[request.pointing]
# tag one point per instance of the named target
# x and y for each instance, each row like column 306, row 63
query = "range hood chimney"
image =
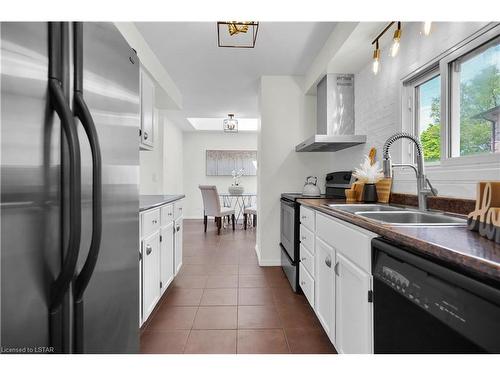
column 335, row 116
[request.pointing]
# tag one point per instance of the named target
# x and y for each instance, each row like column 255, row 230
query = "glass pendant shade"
column 230, row 124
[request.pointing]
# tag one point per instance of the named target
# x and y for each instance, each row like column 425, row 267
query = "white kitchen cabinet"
column 325, row 287
column 353, row 309
column 151, row 273
column 178, row 245
column 147, row 111
column 166, row 255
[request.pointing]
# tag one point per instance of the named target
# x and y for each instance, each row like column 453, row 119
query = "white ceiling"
column 216, row 81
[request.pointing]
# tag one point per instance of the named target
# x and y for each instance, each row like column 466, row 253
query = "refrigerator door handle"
column 82, row 112
column 60, row 104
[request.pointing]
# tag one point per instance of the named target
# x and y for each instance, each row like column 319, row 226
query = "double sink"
column 399, row 216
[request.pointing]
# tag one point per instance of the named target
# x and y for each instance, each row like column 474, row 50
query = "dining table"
column 238, row 201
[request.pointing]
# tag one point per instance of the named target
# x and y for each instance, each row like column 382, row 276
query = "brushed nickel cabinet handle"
column 336, row 269
column 145, row 135
column 149, row 249
column 328, row 261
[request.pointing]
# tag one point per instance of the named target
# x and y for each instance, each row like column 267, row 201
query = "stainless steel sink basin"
column 413, row 218
column 353, row 208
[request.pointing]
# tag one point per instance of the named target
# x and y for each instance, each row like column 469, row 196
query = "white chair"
column 211, row 207
column 252, row 210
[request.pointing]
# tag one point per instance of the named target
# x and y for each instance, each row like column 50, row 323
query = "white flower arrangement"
column 368, row 173
column 237, row 175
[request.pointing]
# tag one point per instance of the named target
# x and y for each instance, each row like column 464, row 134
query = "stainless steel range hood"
column 335, row 116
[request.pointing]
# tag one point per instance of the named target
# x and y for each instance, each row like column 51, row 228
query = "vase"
column 236, row 189
column 370, row 193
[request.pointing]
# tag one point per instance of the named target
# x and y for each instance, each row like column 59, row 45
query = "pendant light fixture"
column 230, row 124
column 376, row 58
column 395, row 41
column 427, row 28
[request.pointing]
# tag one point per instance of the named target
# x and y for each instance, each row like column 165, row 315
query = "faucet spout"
column 422, row 180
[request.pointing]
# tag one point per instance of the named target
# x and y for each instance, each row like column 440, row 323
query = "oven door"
column 288, row 228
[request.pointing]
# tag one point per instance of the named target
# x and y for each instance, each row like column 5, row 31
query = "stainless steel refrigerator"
column 69, row 189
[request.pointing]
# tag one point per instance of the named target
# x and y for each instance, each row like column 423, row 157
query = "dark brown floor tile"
column 286, row 296
column 197, row 259
column 297, row 316
column 163, row 342
column 251, row 259
column 223, row 270
column 252, row 281
column 230, row 281
column 277, row 281
column 258, row 317
column 264, row 341
column 194, row 270
column 219, row 297
column 226, row 259
column 172, row 317
column 255, row 296
column 211, row 342
column 216, row 317
column 183, row 297
column 250, row 269
column 309, row 341
column 273, row 271
column 190, row 281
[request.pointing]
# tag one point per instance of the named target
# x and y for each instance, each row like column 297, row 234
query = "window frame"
column 442, row 66
column 447, row 115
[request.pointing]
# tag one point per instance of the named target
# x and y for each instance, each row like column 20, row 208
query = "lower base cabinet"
column 160, row 255
column 325, row 287
column 178, row 245
column 151, row 273
column 353, row 308
column 167, row 256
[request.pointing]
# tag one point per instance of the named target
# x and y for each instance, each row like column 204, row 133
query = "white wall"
column 195, row 145
column 287, row 118
column 161, row 169
column 378, row 107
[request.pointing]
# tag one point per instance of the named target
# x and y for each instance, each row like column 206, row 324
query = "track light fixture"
column 376, row 58
column 394, row 48
column 427, row 28
column 395, row 41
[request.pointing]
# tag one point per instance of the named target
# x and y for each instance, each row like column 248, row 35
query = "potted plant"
column 369, row 173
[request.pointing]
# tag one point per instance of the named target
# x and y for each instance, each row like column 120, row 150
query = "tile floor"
column 223, row 302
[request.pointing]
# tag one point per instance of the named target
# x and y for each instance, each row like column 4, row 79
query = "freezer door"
column 111, row 91
column 30, row 188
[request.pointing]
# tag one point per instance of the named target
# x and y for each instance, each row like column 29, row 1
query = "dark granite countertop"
column 456, row 246
column 147, row 202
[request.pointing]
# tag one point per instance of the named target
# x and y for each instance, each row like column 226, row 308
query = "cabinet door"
column 166, row 256
column 178, row 245
column 325, row 287
column 353, row 314
column 147, row 110
column 151, row 273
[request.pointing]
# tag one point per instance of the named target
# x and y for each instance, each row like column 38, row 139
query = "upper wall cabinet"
column 147, row 111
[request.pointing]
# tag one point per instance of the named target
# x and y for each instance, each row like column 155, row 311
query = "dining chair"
column 252, row 210
column 212, row 207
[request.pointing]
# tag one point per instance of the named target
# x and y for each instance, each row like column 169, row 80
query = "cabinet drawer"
column 307, row 218
column 352, row 241
column 150, row 222
column 167, row 214
column 178, row 206
column 307, row 239
column 307, row 259
column 306, row 284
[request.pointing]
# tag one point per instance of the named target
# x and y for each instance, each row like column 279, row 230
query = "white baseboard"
column 266, row 262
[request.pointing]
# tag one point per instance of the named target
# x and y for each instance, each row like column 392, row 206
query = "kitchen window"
column 453, row 103
column 475, row 101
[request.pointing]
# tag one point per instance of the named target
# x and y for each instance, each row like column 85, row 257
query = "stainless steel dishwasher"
column 423, row 307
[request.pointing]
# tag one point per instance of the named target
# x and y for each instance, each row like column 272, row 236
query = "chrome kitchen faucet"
column 422, row 180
